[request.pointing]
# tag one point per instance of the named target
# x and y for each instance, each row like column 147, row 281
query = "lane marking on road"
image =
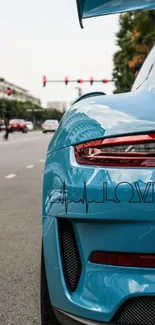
column 20, row 140
column 10, row 176
column 29, row 166
column 42, row 160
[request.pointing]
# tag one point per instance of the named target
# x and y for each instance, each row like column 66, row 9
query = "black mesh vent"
column 139, row 311
column 70, row 255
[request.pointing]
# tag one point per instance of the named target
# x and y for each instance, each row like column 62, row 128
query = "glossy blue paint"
column 99, row 116
column 101, row 289
column 61, row 167
column 107, row 225
column 106, row 116
column 112, row 209
column 93, row 8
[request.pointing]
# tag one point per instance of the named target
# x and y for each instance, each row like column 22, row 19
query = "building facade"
column 17, row 92
column 59, row 105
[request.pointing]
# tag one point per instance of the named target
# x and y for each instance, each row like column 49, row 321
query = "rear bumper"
column 17, row 129
column 101, row 289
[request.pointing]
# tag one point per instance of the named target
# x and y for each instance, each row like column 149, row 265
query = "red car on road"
column 18, row 125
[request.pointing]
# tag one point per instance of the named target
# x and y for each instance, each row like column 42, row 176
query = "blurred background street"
column 47, row 61
column 21, row 172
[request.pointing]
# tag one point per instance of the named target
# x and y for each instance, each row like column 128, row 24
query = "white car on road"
column 29, row 125
column 50, row 126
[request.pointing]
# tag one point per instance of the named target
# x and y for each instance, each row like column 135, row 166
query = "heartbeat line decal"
column 130, row 193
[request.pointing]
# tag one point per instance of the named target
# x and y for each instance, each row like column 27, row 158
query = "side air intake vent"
column 136, row 311
column 69, row 253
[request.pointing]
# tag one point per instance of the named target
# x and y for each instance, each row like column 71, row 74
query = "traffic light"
column 66, row 80
column 9, row 91
column 80, row 81
column 91, row 80
column 105, row 81
column 44, row 81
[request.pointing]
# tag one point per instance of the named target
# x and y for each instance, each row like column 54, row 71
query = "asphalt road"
column 21, row 170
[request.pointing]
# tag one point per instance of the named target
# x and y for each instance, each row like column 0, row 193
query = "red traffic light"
column 105, row 81
column 9, row 91
column 66, row 80
column 91, row 80
column 44, row 81
column 80, row 81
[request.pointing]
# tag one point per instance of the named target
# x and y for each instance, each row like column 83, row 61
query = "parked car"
column 50, row 126
column 98, row 252
column 29, row 125
column 18, row 125
column 2, row 125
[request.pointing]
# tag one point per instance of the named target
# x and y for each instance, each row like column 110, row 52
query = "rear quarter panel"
column 106, row 116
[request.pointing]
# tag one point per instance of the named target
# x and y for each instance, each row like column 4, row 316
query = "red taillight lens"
column 125, row 151
column 123, row 259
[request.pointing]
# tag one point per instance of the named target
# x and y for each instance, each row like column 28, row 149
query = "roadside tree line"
column 135, row 38
column 28, row 111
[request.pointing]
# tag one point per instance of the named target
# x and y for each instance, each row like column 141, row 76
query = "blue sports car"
column 98, row 252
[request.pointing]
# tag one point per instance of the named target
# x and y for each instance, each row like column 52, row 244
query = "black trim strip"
column 79, row 13
column 69, row 319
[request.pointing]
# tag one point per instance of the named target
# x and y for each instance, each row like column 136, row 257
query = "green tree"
column 135, row 39
column 28, row 111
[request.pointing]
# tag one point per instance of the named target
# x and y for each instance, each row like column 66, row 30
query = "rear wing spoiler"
column 94, row 8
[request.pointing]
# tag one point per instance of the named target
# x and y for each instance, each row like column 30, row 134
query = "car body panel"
column 110, row 115
column 61, row 166
column 93, row 8
column 111, row 209
column 101, row 289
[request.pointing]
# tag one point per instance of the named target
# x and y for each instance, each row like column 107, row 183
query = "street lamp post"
column 79, row 91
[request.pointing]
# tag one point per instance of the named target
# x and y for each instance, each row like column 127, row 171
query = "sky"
column 44, row 38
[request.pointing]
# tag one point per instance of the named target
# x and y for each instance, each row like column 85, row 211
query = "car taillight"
column 122, row 151
column 123, row 259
